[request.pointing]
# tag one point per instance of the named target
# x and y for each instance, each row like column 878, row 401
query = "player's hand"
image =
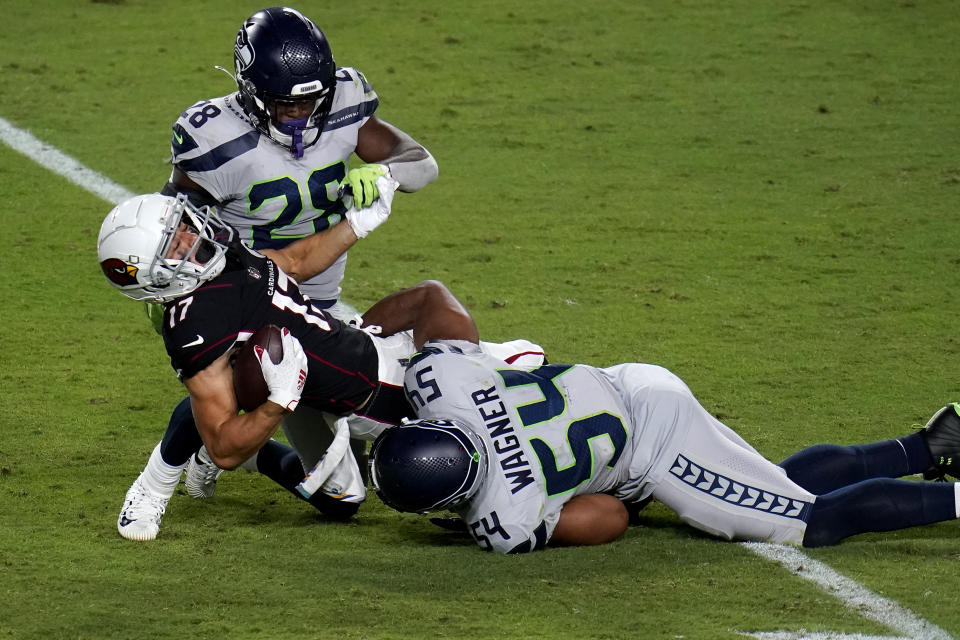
column 286, row 378
column 363, row 182
column 365, row 220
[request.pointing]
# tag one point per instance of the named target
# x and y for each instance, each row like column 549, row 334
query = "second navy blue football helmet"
column 427, row 465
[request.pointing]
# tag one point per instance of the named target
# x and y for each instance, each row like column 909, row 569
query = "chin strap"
column 294, row 129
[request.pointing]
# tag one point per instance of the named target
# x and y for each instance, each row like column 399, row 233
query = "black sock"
column 281, row 464
column 181, row 439
column 880, row 504
column 825, row 467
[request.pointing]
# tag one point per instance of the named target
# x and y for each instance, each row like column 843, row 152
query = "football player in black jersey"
column 270, row 156
column 216, row 293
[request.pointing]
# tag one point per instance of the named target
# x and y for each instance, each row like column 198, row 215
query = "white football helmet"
column 137, row 234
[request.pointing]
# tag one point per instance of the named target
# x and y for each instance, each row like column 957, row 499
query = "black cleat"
column 942, row 435
column 454, row 524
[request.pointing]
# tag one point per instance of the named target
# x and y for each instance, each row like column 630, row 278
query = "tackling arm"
column 429, row 308
column 230, row 438
column 409, row 161
column 180, row 182
column 309, row 256
column 592, row 518
column 301, row 260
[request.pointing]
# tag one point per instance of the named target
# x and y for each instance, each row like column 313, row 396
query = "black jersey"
column 252, row 292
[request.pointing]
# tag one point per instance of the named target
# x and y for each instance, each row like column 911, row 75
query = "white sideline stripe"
column 60, row 163
column 817, row 635
column 857, row 597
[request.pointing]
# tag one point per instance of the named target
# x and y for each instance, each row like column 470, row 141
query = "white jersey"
column 269, row 196
column 551, row 433
column 632, row 430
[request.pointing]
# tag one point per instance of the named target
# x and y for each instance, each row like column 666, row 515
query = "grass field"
column 759, row 196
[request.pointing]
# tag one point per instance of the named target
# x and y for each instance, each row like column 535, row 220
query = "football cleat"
column 142, row 510
column 942, row 435
column 455, row 524
column 202, row 474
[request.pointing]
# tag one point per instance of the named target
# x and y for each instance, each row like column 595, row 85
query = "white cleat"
column 142, row 510
column 202, row 474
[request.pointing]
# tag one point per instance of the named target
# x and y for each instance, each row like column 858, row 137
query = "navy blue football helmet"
column 427, row 465
column 282, row 57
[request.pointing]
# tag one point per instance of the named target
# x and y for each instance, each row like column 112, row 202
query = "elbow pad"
column 416, row 174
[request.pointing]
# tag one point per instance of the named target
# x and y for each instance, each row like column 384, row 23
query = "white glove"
column 363, row 221
column 285, row 379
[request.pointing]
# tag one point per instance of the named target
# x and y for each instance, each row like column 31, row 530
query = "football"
column 248, row 383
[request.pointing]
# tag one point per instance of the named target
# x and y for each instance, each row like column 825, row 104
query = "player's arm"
column 180, row 182
column 230, row 438
column 391, row 152
column 592, row 518
column 429, row 308
column 408, row 161
column 309, row 256
column 305, row 258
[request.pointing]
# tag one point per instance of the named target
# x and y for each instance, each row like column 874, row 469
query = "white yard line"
column 857, row 597
column 816, row 635
column 63, row 165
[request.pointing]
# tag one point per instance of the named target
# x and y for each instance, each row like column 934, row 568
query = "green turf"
column 759, row 196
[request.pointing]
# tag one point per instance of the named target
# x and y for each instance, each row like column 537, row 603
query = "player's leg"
column 934, row 451
column 879, row 504
column 309, row 433
column 282, row 465
column 824, row 467
column 692, row 463
column 146, row 500
column 726, row 490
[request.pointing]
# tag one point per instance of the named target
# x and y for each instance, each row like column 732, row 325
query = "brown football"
column 248, row 383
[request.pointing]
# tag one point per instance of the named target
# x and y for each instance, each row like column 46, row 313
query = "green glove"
column 363, row 182
column 155, row 313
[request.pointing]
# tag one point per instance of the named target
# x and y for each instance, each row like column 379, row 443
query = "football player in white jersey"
column 272, row 158
column 273, row 155
column 550, row 455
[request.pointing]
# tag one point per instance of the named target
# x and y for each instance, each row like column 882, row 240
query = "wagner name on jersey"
column 548, row 433
column 265, row 193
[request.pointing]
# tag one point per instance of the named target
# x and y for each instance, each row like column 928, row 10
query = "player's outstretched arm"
column 230, row 438
column 408, row 161
column 180, row 182
column 593, row 518
column 305, row 258
column 429, row 308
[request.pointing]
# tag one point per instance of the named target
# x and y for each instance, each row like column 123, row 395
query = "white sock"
column 159, row 477
column 956, row 497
